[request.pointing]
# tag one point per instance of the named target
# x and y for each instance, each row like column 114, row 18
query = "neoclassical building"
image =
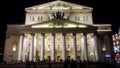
column 58, row 30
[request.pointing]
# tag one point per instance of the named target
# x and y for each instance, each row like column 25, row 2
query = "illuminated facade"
column 58, row 30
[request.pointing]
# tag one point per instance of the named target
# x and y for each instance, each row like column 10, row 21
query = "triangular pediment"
column 58, row 5
column 58, row 23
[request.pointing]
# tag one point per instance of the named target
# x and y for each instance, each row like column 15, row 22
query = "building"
column 116, row 46
column 58, row 30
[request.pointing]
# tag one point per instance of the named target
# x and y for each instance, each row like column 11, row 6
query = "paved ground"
column 60, row 65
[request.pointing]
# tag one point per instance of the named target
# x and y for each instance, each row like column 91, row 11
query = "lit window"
column 14, row 47
column 68, row 47
column 49, row 48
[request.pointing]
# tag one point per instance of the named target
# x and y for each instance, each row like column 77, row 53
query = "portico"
column 57, row 42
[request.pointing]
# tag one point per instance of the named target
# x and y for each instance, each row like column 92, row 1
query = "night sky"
column 104, row 11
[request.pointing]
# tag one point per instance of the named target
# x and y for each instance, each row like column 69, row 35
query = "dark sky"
column 104, row 11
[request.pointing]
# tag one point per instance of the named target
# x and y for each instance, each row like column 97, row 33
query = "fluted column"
column 74, row 46
column 53, row 48
column 96, row 47
column 85, row 48
column 42, row 47
column 64, row 47
column 20, row 47
column 31, row 54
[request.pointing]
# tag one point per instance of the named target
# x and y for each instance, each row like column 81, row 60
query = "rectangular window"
column 40, row 18
column 85, row 18
column 31, row 18
column 77, row 18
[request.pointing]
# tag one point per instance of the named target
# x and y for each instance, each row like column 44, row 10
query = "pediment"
column 58, row 5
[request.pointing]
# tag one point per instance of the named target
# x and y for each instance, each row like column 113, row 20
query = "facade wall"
column 85, row 18
column 32, row 18
column 11, row 48
column 79, row 16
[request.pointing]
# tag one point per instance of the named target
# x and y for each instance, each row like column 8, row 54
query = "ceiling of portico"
column 58, row 5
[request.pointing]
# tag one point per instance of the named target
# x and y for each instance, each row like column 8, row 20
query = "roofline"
column 57, row 1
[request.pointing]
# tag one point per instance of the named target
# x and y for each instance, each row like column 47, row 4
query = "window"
column 31, row 18
column 68, row 47
column 49, row 48
column 77, row 18
column 14, row 47
column 40, row 18
column 85, row 18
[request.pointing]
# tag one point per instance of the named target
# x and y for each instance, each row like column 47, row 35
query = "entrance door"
column 58, row 58
column 48, row 58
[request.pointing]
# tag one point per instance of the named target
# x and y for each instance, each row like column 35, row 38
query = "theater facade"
column 58, row 31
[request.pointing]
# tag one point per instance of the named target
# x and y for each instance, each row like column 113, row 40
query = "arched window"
column 14, row 46
column 49, row 48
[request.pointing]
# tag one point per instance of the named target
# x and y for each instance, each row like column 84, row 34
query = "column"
column 96, row 47
column 64, row 47
column 53, row 48
column 34, row 54
column 24, row 50
column 85, row 48
column 74, row 46
column 42, row 47
column 31, row 53
column 20, row 47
